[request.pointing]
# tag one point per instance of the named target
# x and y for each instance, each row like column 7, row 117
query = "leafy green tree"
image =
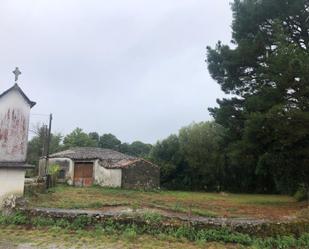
column 201, row 145
column 37, row 145
column 139, row 149
column 192, row 159
column 109, row 141
column 78, row 138
column 124, row 148
column 96, row 137
column 168, row 156
column 267, row 72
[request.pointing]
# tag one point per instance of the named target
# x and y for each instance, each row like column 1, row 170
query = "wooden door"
column 83, row 174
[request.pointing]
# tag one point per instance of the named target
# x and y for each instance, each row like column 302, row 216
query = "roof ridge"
column 16, row 87
column 90, row 153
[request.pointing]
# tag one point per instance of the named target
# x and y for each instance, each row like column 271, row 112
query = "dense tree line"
column 192, row 159
column 79, row 138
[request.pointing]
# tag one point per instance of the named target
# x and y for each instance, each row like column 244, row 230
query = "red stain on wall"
column 13, row 134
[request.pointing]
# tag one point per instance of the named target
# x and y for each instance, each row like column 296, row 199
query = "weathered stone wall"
column 11, row 182
column 141, row 175
column 260, row 228
column 106, row 177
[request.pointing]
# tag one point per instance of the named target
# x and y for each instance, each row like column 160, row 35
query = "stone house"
column 14, row 123
column 85, row 166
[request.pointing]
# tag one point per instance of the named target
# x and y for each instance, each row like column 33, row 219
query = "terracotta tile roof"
column 125, row 163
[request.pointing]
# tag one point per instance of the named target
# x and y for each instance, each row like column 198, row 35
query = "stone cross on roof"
column 17, row 73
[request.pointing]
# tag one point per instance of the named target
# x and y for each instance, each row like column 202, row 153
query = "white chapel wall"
column 14, row 124
column 12, row 183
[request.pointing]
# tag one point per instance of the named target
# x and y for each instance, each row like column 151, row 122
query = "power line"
column 39, row 114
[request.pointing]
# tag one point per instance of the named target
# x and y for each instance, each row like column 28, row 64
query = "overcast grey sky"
column 134, row 68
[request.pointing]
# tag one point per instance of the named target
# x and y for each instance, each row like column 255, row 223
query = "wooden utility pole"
column 48, row 143
column 44, row 139
column 49, row 135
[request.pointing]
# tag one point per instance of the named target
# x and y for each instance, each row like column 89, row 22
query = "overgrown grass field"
column 272, row 207
column 20, row 237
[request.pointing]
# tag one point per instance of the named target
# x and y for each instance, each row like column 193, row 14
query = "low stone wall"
column 33, row 186
column 262, row 228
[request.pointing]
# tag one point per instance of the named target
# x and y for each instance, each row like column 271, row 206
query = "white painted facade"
column 11, row 183
column 14, row 124
column 106, row 177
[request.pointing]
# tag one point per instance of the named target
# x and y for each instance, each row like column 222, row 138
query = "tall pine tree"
column 267, row 71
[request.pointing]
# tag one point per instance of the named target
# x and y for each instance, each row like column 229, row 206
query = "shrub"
column 130, row 233
column 223, row 235
column 81, row 222
column 54, row 169
column 18, row 219
column 152, row 217
column 62, row 223
column 283, row 242
column 3, row 220
column 42, row 222
column 109, row 226
column 301, row 194
column 304, row 239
